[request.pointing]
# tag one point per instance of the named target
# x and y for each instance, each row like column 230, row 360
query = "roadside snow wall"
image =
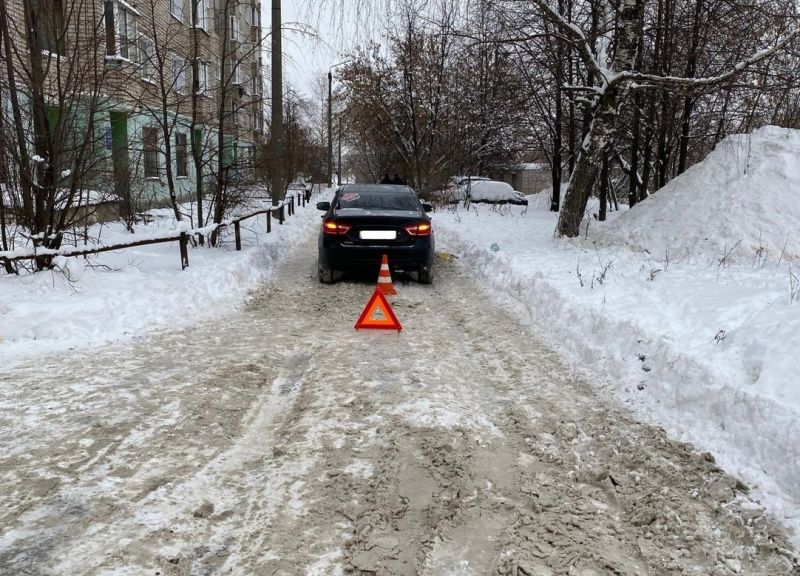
column 743, row 197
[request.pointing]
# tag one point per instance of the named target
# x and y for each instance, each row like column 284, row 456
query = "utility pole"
column 330, row 128
column 339, row 163
column 330, row 122
column 277, row 106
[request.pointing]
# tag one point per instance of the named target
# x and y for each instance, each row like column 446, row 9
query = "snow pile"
column 541, row 200
column 125, row 294
column 707, row 352
column 744, row 198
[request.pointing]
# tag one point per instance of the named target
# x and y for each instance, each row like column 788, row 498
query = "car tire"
column 425, row 276
column 325, row 274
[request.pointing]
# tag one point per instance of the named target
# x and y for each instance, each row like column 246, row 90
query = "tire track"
column 282, row 441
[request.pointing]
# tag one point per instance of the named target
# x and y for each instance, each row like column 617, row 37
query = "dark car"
column 365, row 221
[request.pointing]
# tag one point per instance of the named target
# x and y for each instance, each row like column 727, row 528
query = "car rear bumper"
column 338, row 256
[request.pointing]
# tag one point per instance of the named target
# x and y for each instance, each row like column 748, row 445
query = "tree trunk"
column 195, row 141
column 570, row 78
column 555, row 197
column 688, row 100
column 603, row 190
column 647, row 158
column 633, row 178
column 604, row 122
column 665, row 124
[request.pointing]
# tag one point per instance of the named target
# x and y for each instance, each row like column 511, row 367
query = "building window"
column 201, row 85
column 151, row 152
column 176, row 9
column 120, row 29
column 200, row 14
column 178, row 74
column 49, row 24
column 219, row 70
column 147, row 55
column 254, row 15
column 255, row 85
column 235, row 30
column 181, row 164
column 111, row 29
column 236, row 75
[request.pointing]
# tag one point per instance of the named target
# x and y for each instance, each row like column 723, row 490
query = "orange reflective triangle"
column 378, row 314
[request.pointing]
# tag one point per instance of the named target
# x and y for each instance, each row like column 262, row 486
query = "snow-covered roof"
column 538, row 166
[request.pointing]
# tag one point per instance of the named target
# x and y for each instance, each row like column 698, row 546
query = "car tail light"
column 335, row 228
column 419, row 229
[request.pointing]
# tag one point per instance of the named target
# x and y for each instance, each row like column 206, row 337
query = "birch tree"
column 615, row 74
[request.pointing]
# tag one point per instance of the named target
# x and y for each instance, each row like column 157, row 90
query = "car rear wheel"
column 425, row 276
column 325, row 274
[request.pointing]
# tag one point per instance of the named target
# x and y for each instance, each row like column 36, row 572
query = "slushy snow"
column 647, row 303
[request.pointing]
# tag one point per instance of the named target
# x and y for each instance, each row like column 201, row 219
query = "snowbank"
column 708, row 352
column 125, row 294
column 744, row 198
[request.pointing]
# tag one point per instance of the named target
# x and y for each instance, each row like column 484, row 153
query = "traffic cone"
column 385, row 277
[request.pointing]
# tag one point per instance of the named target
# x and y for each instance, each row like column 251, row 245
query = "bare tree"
column 52, row 56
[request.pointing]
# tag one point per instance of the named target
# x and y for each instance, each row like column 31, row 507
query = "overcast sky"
column 311, row 41
column 318, row 33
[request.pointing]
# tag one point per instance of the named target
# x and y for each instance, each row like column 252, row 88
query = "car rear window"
column 379, row 200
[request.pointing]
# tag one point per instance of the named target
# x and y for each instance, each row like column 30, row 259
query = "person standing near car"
column 386, row 179
column 398, row 180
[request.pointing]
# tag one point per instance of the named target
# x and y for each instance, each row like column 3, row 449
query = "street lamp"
column 330, row 121
column 276, row 127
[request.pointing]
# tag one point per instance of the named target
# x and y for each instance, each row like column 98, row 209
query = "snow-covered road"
column 282, row 441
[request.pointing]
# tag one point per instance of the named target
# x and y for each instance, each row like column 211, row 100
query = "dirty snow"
column 125, row 294
column 201, row 438
column 703, row 345
column 270, row 442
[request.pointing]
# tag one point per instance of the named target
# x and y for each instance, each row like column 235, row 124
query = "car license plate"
column 378, row 235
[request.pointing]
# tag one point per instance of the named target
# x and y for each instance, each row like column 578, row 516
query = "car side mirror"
column 323, row 206
column 427, row 207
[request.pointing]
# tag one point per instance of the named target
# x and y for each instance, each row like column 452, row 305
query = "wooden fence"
column 279, row 212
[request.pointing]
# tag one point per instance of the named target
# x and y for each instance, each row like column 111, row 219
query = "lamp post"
column 339, row 163
column 330, row 121
column 277, row 106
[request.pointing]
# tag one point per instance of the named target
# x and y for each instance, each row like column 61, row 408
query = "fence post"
column 238, row 235
column 281, row 214
column 269, row 221
column 291, row 206
column 184, row 243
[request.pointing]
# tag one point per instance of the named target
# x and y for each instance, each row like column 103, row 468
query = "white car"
column 462, row 180
column 489, row 191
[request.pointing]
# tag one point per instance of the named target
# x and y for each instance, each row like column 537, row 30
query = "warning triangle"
column 378, row 314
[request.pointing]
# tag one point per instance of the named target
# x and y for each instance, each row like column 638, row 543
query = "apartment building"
column 159, row 93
